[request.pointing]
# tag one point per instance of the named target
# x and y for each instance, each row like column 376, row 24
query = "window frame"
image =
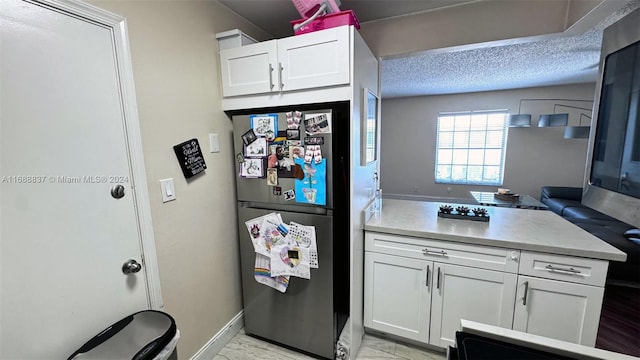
column 457, row 131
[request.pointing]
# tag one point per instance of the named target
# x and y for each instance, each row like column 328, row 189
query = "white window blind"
column 470, row 147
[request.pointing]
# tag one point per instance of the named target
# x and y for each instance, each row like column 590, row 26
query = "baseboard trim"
column 219, row 340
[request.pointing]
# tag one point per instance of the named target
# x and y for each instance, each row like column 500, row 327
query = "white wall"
column 534, row 157
column 176, row 74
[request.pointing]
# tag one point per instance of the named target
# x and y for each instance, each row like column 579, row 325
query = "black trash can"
column 145, row 335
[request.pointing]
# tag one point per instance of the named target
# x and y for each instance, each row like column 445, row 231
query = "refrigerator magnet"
column 290, row 195
column 308, row 153
column 289, row 117
column 298, row 173
column 315, row 140
column 293, row 119
column 272, row 177
column 277, row 191
column 317, row 155
column 265, row 125
column 317, row 123
column 257, row 148
column 296, row 152
column 249, row 137
column 239, row 158
column 293, row 134
column 297, row 116
column 252, row 168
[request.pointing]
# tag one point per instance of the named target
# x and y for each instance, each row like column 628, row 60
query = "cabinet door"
column 397, row 295
column 558, row 309
column 461, row 292
column 313, row 60
column 249, row 69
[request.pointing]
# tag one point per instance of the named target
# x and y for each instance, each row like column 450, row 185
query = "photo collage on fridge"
column 269, row 154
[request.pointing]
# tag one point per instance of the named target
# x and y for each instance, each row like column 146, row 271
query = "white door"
column 558, row 309
column 64, row 238
column 251, row 69
column 461, row 292
column 315, row 59
column 397, row 295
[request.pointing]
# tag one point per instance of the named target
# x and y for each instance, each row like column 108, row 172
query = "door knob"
column 117, row 191
column 131, row 267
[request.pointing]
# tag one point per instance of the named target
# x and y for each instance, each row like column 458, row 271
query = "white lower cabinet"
column 397, row 295
column 425, row 300
column 558, row 309
column 420, row 289
column 461, row 292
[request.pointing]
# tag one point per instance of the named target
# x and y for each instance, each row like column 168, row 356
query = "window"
column 470, row 147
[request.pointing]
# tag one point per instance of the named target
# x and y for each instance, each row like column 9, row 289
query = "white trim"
column 455, row 200
column 118, row 26
column 219, row 340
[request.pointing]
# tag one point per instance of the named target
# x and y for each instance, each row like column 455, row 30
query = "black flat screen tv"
column 612, row 176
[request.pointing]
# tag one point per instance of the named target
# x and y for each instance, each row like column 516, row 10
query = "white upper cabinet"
column 249, row 69
column 300, row 62
column 314, row 60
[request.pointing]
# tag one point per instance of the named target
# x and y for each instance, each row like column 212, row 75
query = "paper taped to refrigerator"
column 290, row 260
column 282, row 250
column 304, row 236
column 262, row 274
column 312, row 189
column 265, row 232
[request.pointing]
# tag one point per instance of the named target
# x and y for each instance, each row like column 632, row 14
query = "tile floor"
column 244, row 347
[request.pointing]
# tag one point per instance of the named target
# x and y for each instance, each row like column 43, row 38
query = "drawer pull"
column 427, row 283
column 526, row 291
column 569, row 270
column 426, row 251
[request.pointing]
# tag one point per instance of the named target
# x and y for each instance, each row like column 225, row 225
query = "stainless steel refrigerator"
column 310, row 315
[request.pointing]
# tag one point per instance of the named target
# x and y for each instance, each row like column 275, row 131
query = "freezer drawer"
column 304, row 316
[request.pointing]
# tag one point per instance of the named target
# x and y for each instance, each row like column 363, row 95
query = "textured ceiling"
column 542, row 62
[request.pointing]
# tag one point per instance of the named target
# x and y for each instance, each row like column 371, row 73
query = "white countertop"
column 534, row 230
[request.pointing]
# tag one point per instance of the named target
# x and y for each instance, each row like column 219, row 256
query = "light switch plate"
column 168, row 190
column 214, row 143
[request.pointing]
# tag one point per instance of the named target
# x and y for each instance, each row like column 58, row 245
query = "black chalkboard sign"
column 190, row 158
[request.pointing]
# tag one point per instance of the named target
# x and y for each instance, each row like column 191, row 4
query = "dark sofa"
column 566, row 202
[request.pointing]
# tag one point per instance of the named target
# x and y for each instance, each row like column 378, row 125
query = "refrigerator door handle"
column 286, row 207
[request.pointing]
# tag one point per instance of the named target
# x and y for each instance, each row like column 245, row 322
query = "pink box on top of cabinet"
column 347, row 17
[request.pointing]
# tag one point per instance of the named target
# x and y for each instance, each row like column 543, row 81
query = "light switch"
column 214, row 143
column 168, row 190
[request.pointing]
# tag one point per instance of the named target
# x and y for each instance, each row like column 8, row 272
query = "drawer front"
column 564, row 268
column 485, row 257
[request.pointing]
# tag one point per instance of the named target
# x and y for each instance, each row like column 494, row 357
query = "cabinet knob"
column 515, row 255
